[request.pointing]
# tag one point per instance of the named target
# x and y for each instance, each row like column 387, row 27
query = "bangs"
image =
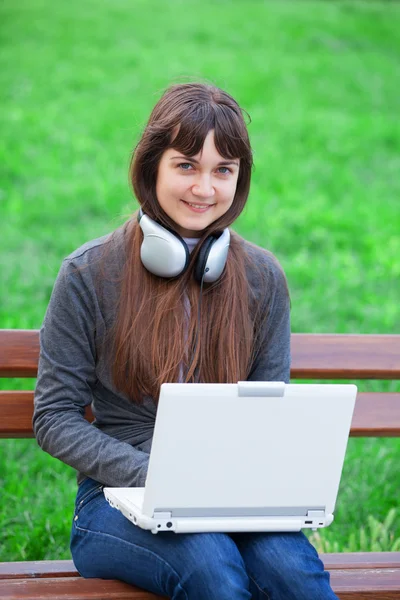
column 231, row 138
column 230, row 133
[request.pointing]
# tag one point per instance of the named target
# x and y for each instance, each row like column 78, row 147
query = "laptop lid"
column 248, row 449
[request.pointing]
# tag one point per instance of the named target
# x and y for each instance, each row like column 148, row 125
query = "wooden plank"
column 343, row 356
column 318, row 356
column 375, row 415
column 352, row 584
column 360, row 560
column 16, row 411
column 19, row 352
column 37, row 568
column 366, row 584
column 332, row 561
column 71, row 588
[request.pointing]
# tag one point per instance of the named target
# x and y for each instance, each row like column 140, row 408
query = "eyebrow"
column 223, row 163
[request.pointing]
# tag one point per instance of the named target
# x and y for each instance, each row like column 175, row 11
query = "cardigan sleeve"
column 66, row 377
column 272, row 362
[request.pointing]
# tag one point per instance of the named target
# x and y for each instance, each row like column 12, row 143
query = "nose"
column 203, row 187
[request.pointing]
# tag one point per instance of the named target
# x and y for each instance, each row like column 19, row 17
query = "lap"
column 93, row 514
column 106, row 544
column 165, row 562
column 284, row 565
column 293, row 546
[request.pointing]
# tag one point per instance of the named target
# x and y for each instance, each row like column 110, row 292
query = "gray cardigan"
column 73, row 371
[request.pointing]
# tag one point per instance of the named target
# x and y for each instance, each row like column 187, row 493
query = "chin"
column 188, row 230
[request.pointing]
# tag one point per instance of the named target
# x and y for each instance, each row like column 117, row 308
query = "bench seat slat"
column 366, row 584
column 314, row 356
column 348, row 584
column 37, row 568
column 332, row 561
column 376, row 414
column 360, row 560
column 71, row 588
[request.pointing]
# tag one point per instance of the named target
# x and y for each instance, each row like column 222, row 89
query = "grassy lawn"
column 320, row 81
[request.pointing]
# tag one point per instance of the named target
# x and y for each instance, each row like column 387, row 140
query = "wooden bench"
column 315, row 356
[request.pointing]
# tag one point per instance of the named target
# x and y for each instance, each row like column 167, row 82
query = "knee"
column 217, row 575
column 217, row 581
column 290, row 566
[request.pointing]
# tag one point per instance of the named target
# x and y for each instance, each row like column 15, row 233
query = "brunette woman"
column 128, row 313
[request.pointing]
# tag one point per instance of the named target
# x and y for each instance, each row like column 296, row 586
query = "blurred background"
column 321, row 83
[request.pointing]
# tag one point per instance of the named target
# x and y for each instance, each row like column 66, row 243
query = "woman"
column 130, row 311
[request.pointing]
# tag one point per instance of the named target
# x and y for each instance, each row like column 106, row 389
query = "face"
column 194, row 191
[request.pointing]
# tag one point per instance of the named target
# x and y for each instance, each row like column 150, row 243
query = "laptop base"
column 130, row 501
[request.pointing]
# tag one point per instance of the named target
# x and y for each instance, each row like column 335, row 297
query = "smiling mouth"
column 199, row 207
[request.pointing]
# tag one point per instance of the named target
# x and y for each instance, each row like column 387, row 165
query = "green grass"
column 320, row 81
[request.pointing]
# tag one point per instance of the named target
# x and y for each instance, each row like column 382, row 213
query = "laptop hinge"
column 315, row 513
column 162, row 515
column 261, row 388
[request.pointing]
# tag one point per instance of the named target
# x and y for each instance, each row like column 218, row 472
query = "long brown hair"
column 152, row 338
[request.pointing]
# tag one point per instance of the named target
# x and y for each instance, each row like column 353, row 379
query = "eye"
column 185, row 166
column 224, row 170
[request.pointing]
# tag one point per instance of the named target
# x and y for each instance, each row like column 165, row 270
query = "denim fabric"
column 196, row 566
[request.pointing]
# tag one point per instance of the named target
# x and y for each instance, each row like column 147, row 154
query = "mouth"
column 198, row 208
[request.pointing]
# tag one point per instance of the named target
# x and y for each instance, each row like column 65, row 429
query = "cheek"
column 162, row 190
column 229, row 191
column 168, row 185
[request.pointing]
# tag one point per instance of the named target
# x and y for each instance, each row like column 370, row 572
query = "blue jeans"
column 195, row 566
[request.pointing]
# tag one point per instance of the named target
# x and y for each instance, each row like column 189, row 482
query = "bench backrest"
column 314, row 356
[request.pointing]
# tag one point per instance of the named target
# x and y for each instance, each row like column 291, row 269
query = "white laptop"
column 250, row 456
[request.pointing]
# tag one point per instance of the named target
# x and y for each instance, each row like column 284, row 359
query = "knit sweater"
column 74, row 371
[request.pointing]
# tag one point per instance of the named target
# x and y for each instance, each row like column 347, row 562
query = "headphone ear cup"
column 201, row 262
column 212, row 257
column 163, row 253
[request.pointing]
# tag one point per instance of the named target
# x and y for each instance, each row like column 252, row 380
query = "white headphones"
column 165, row 253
